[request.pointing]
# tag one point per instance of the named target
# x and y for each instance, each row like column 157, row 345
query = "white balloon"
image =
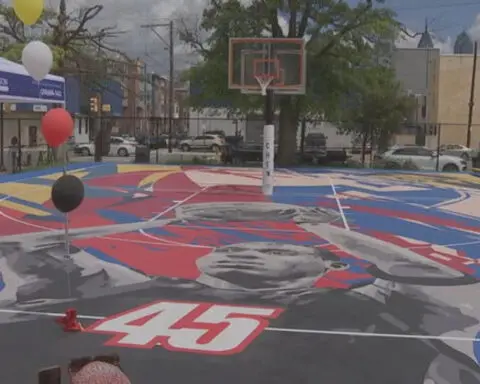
column 37, row 58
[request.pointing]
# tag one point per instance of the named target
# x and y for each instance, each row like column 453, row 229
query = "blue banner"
column 21, row 87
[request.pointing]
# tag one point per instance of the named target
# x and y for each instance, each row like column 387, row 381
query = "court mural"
column 339, row 277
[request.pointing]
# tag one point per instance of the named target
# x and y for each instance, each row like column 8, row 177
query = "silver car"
column 203, row 143
column 458, row 150
column 425, row 159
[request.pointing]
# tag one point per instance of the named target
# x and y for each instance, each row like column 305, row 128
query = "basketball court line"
column 334, row 191
column 159, row 241
column 282, row 330
column 80, row 168
column 171, row 208
column 339, row 204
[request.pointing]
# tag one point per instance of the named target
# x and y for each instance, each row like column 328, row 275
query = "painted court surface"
column 191, row 275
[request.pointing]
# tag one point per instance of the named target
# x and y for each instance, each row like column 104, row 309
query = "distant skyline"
column 446, row 19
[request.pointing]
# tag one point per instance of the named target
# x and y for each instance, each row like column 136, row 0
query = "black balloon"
column 67, row 193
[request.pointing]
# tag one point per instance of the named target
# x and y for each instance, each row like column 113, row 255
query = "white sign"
column 268, row 159
column 39, row 108
column 187, row 327
column 4, row 85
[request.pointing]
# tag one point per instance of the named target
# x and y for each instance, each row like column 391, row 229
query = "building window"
column 32, row 136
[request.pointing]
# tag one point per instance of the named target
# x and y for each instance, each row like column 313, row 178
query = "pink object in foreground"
column 99, row 372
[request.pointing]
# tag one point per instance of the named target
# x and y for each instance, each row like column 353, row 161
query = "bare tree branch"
column 307, row 13
column 347, row 28
column 405, row 31
column 11, row 26
column 191, row 35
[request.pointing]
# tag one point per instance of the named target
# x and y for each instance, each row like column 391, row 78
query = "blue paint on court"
column 476, row 348
column 410, row 214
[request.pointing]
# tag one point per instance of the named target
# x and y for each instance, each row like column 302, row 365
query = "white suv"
column 204, row 142
column 118, row 147
column 425, row 159
column 458, row 150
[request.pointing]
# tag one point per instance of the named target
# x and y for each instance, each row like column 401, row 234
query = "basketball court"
column 205, row 274
column 193, row 274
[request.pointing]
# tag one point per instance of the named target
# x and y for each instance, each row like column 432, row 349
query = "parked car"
column 153, row 142
column 424, row 158
column 204, row 142
column 128, row 138
column 84, row 149
column 315, row 141
column 122, row 147
column 71, row 142
column 217, row 133
column 458, row 150
column 118, row 147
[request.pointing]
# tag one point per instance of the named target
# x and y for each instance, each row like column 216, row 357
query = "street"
column 161, row 156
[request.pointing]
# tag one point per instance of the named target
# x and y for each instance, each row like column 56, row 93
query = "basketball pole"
column 268, row 145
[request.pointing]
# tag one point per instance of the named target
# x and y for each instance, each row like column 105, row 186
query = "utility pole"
column 471, row 103
column 96, row 112
column 171, row 88
column 145, row 124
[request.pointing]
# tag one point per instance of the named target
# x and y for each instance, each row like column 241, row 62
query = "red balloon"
column 57, row 126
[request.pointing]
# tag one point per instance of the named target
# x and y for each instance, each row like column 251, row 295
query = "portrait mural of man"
column 323, row 277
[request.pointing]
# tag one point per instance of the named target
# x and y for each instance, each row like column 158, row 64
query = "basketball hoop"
column 264, row 81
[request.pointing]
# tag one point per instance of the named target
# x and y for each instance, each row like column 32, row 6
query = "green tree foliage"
column 79, row 49
column 340, row 39
column 76, row 47
column 377, row 108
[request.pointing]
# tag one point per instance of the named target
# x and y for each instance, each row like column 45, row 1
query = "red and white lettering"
column 187, row 327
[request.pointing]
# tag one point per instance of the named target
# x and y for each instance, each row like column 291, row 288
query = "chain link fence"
column 22, row 145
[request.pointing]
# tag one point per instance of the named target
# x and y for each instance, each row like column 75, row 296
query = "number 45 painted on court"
column 187, row 327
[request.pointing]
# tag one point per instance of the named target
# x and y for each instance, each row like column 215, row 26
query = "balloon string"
column 67, row 231
column 65, row 161
column 67, row 253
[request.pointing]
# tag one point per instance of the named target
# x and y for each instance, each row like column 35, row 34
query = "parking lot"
column 160, row 155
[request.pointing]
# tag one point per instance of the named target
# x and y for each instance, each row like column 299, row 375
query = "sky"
column 446, row 19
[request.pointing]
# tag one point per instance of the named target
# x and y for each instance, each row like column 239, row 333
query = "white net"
column 264, row 81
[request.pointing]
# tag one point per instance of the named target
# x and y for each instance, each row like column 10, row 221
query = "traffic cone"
column 70, row 322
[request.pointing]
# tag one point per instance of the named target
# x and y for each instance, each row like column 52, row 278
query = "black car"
column 153, row 142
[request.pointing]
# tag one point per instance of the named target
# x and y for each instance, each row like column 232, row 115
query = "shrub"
column 351, row 163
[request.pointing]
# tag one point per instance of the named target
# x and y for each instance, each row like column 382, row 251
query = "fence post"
column 2, row 140
column 19, row 134
column 157, row 155
column 439, row 132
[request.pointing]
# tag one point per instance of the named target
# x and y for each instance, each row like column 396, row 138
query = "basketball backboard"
column 278, row 64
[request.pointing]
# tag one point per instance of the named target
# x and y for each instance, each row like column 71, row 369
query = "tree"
column 340, row 39
column 79, row 49
column 69, row 35
column 377, row 108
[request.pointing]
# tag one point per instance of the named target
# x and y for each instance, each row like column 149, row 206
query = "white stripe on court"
column 283, row 330
column 339, row 204
column 169, row 209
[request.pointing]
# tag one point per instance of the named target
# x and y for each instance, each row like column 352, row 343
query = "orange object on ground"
column 70, row 322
